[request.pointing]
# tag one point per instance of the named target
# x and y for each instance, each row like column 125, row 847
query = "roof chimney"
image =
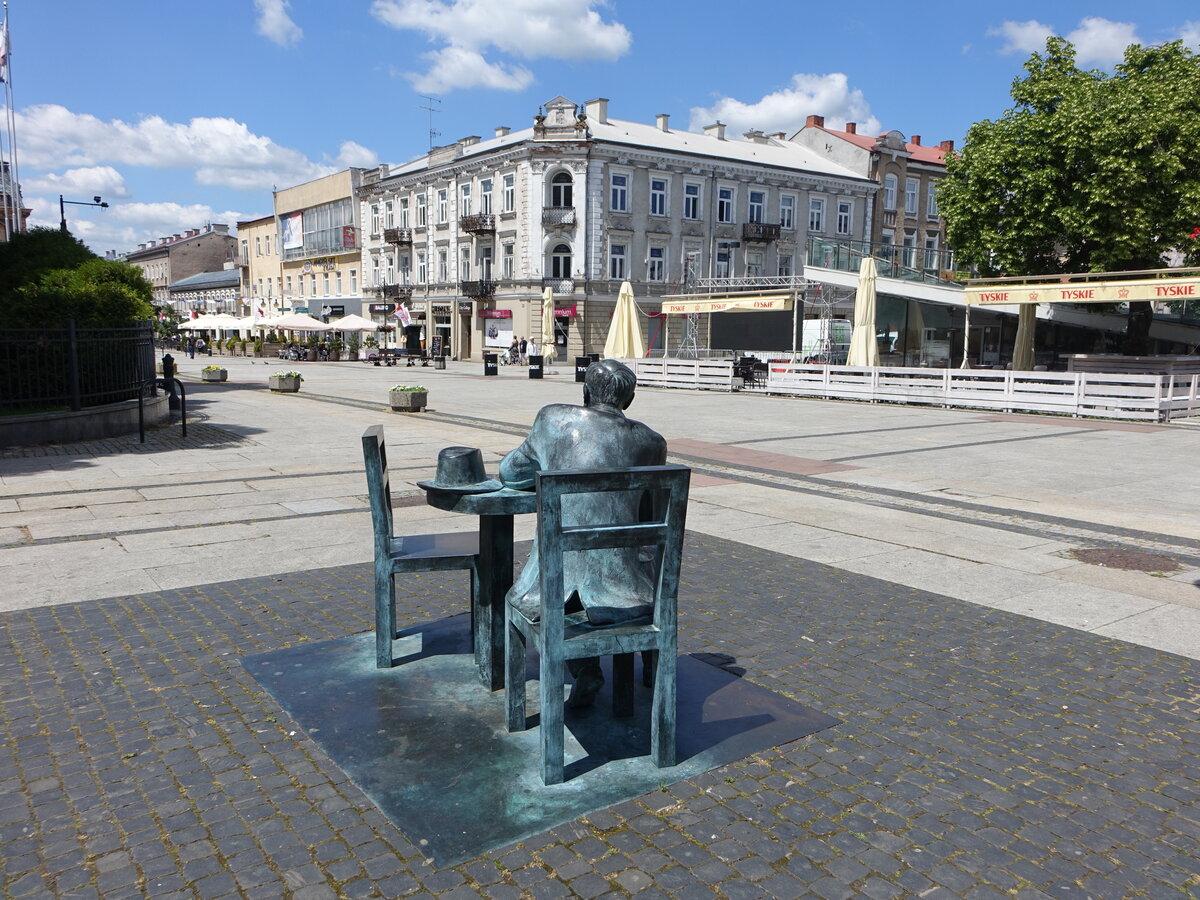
column 716, row 129
column 469, row 140
column 755, row 136
column 597, row 110
column 814, row 122
column 778, row 135
column 502, row 130
column 661, row 119
column 946, row 146
column 915, row 140
column 851, row 128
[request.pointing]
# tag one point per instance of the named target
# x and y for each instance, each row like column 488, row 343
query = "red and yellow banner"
column 1084, row 291
column 689, row 305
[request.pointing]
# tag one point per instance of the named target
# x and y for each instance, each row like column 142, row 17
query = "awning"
column 1166, row 288
column 689, row 305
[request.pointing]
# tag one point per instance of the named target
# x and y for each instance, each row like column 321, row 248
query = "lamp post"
column 62, row 208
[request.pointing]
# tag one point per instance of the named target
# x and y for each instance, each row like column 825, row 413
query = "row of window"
column 408, row 212
column 912, row 190
column 331, row 285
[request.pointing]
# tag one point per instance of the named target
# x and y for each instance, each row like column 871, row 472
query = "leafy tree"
column 1088, row 172
column 97, row 294
column 48, row 276
column 27, row 255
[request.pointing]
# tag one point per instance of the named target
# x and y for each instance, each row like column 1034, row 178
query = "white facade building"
column 471, row 233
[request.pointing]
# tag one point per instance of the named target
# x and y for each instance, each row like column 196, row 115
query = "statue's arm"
column 519, row 468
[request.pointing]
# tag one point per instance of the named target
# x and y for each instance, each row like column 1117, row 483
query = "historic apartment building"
column 471, row 233
column 176, row 257
column 258, row 264
column 904, row 212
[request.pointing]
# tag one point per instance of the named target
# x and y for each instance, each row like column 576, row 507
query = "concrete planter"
column 285, row 384
column 408, row 401
column 214, row 375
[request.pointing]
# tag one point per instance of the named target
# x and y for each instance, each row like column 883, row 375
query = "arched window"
column 560, row 190
column 560, row 260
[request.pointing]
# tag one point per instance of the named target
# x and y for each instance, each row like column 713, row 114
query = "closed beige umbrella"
column 864, row 348
column 1023, row 344
column 624, row 333
column 548, row 351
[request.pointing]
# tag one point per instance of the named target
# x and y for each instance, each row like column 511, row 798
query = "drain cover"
column 1134, row 560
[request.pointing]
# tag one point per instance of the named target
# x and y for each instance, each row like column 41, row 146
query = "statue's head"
column 610, row 383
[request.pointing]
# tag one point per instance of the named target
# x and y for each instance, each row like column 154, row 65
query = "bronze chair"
column 410, row 553
column 559, row 636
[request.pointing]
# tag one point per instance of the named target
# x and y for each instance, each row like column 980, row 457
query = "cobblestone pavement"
column 983, row 754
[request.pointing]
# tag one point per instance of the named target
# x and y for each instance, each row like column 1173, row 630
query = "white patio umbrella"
column 624, row 333
column 300, row 322
column 864, row 349
column 353, row 323
column 548, row 351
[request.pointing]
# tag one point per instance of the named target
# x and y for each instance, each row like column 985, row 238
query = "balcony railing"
column 394, row 291
column 559, row 285
column 397, row 236
column 558, row 215
column 484, row 223
column 759, row 231
column 479, row 290
column 907, row 263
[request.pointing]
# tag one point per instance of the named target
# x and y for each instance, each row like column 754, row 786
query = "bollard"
column 491, row 364
column 535, row 367
column 581, row 367
column 168, row 380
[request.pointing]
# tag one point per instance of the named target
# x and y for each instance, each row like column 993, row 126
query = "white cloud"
column 1098, row 41
column 275, row 24
column 83, row 182
column 222, row 151
column 1190, row 35
column 785, row 110
column 530, row 29
column 356, row 155
column 125, row 225
column 458, row 67
column 1022, row 37
column 1101, row 42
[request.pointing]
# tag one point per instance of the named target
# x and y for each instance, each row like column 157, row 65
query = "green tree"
column 98, row 293
column 24, row 258
column 1088, row 172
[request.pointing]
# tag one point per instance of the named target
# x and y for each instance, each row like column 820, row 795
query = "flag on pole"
column 403, row 315
column 258, row 314
column 194, row 314
column 4, row 51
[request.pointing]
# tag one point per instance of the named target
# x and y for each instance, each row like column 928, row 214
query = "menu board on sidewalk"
column 435, row 345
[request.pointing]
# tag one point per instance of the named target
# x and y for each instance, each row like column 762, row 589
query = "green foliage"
column 258, row 345
column 29, row 255
column 97, row 293
column 1088, row 172
column 353, row 344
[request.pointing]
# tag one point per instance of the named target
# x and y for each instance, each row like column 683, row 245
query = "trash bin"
column 595, row 357
column 439, row 362
column 535, row 366
column 581, row 367
column 491, row 364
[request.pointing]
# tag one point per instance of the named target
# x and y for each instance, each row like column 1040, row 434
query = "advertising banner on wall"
column 293, row 230
column 1084, row 291
column 498, row 333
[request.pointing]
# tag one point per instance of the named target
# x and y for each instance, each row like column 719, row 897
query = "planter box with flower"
column 408, row 398
column 286, row 382
column 213, row 373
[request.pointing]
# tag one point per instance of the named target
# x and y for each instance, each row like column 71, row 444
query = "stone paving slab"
column 982, row 753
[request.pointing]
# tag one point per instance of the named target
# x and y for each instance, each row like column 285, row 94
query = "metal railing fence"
column 46, row 369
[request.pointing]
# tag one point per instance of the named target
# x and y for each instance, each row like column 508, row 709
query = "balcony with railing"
column 477, row 290
column 760, row 232
column 559, row 285
column 483, row 223
column 553, row 216
column 397, row 236
column 891, row 261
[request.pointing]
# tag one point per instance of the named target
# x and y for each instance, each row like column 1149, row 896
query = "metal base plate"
column 427, row 743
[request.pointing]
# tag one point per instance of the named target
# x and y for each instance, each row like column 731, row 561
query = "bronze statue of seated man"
column 612, row 585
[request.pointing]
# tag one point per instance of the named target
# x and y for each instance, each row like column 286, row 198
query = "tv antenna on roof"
column 431, row 109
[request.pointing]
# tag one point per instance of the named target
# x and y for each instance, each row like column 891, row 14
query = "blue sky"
column 180, row 114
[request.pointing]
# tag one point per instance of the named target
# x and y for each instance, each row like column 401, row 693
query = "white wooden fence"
column 694, row 374
column 1102, row 395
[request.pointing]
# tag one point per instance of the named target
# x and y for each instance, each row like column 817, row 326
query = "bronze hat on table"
column 460, row 471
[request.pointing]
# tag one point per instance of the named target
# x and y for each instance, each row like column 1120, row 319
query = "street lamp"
column 62, row 208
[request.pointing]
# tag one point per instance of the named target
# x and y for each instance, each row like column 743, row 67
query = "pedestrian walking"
column 524, row 352
column 191, row 348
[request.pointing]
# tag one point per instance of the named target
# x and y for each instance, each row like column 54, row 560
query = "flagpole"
column 12, row 196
